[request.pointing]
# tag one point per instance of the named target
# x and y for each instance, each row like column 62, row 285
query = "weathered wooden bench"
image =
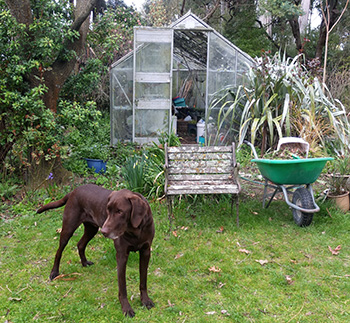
column 191, row 169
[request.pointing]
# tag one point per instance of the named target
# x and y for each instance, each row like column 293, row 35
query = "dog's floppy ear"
column 139, row 208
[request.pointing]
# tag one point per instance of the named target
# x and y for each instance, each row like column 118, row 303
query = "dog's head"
column 125, row 212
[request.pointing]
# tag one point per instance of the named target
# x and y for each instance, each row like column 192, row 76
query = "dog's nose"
column 104, row 231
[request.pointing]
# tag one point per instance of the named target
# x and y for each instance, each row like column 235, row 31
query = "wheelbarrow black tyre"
column 303, row 198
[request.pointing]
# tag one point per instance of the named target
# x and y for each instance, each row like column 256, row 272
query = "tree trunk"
column 294, row 24
column 21, row 10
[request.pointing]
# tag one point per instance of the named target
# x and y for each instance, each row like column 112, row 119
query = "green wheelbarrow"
column 294, row 176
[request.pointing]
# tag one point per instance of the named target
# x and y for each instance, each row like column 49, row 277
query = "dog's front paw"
column 53, row 275
column 87, row 263
column 148, row 303
column 129, row 312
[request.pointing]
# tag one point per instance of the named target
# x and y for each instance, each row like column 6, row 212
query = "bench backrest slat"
column 199, row 177
column 205, row 149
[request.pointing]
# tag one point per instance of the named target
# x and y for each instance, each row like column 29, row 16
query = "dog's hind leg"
column 68, row 228
column 89, row 232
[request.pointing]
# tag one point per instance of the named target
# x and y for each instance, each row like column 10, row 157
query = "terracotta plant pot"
column 342, row 201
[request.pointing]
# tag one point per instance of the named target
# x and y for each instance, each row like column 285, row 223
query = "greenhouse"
column 170, row 82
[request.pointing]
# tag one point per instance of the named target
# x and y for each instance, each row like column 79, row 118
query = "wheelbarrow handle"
column 294, row 206
column 252, row 147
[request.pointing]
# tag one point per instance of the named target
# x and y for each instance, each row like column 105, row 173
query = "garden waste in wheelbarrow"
column 298, row 174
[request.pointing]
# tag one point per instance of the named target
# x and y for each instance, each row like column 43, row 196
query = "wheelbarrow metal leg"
column 266, row 185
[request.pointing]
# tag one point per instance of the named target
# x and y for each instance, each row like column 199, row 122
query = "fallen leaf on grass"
column 244, row 251
column 170, row 304
column 221, row 230
column 221, row 285
column 179, row 255
column 175, row 234
column 210, row 313
column 289, row 280
column 157, row 272
column 262, row 262
column 215, row 269
column 335, row 251
column 17, row 299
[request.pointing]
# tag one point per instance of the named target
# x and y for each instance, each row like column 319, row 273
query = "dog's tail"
column 54, row 205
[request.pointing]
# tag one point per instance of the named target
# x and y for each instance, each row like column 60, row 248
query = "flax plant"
column 270, row 94
column 280, row 98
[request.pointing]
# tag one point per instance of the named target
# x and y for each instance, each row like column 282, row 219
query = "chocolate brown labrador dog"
column 124, row 216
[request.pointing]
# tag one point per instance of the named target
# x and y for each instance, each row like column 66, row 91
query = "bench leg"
column 169, row 200
column 237, row 207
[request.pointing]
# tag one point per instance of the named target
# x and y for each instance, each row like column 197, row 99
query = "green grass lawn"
column 205, row 270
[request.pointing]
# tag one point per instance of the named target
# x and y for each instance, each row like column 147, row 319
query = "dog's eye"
column 118, row 212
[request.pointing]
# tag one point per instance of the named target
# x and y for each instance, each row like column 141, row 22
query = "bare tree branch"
column 212, row 11
column 183, row 7
column 329, row 28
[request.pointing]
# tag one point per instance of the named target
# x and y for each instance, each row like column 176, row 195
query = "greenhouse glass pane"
column 153, row 58
column 222, row 66
column 150, row 123
column 242, row 67
column 121, row 101
column 152, row 91
column 221, row 76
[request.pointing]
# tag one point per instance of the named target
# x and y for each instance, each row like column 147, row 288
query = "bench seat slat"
column 209, row 190
column 204, row 183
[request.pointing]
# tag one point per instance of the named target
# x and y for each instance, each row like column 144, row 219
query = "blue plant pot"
column 98, row 165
